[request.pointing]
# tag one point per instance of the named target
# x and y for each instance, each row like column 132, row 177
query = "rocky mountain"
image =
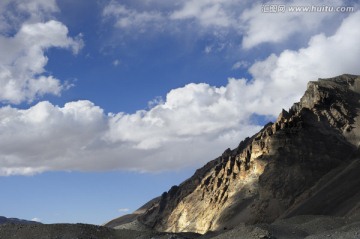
column 306, row 162
column 296, row 178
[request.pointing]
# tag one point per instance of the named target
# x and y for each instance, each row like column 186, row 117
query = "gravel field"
column 309, row 227
column 300, row 227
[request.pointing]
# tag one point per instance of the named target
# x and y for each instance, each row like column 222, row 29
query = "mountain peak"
column 276, row 172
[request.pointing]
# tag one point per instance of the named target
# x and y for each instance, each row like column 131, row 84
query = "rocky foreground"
column 309, row 227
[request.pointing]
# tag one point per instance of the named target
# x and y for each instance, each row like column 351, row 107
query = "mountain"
column 4, row 220
column 123, row 221
column 296, row 178
column 305, row 163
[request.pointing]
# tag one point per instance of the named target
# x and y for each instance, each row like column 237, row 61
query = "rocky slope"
column 309, row 227
column 59, row 231
column 129, row 221
column 81, row 231
column 294, row 166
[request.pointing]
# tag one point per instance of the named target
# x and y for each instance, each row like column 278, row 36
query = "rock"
column 277, row 172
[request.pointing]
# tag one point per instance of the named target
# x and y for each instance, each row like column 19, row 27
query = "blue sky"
column 106, row 104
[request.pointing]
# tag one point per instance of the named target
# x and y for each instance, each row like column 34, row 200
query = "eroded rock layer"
column 273, row 171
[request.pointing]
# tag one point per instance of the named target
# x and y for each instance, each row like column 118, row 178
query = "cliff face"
column 274, row 173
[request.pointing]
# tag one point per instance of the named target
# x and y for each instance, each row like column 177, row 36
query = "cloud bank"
column 79, row 136
column 224, row 19
column 192, row 125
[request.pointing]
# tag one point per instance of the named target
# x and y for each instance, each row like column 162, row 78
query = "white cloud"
column 38, row 9
column 123, row 210
column 48, row 137
column 215, row 13
column 240, row 64
column 23, row 60
column 188, row 112
column 190, row 127
column 130, row 18
column 116, row 62
column 158, row 100
column 284, row 77
column 79, row 136
column 227, row 20
column 207, row 14
column 208, row 49
column 35, row 219
column 14, row 13
column 22, row 64
column 262, row 27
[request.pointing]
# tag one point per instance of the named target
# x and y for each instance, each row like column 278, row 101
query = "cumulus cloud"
column 79, row 136
column 188, row 112
column 192, row 125
column 284, row 77
column 46, row 136
column 22, row 64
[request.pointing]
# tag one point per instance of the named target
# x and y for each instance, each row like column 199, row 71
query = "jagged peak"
column 273, row 166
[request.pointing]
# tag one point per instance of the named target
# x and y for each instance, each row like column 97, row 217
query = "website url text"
column 276, row 8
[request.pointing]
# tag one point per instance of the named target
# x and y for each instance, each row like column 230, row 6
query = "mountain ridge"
column 317, row 135
column 295, row 178
column 4, row 220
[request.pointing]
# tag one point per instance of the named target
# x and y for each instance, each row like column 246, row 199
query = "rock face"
column 278, row 172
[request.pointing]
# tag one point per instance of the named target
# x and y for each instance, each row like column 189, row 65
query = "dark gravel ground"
column 309, row 227
column 55, row 231
column 81, row 231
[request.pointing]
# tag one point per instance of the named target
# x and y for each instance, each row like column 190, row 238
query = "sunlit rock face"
column 270, row 174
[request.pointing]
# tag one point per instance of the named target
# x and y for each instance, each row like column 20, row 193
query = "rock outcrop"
column 281, row 171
